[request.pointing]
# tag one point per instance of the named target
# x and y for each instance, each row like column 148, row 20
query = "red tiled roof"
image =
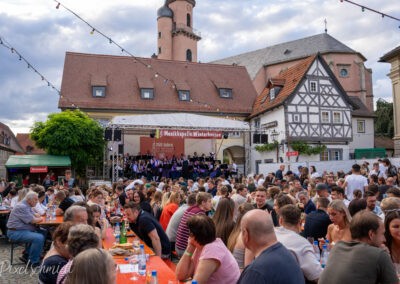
column 123, row 76
column 25, row 141
column 289, row 78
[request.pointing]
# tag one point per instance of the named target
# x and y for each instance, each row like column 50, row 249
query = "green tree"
column 73, row 134
column 384, row 124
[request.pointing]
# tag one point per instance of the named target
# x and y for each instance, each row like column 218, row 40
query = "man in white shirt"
column 355, row 181
column 382, row 168
column 288, row 235
column 375, row 170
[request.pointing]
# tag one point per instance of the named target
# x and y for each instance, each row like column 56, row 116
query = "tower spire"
column 326, row 25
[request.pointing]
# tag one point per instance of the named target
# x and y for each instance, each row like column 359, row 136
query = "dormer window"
column 184, row 95
column 225, row 93
column 147, row 94
column 272, row 94
column 98, row 91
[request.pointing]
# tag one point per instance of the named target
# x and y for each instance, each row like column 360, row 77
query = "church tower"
column 177, row 40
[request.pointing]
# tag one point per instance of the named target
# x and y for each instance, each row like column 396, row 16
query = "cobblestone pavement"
column 17, row 273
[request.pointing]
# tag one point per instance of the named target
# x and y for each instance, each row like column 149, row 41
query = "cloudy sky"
column 42, row 34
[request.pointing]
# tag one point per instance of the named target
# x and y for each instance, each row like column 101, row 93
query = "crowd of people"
column 261, row 228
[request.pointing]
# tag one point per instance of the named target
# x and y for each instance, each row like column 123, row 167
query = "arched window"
column 189, row 55
column 188, row 20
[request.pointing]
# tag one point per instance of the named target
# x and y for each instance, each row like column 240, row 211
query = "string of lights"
column 13, row 50
column 363, row 8
column 167, row 80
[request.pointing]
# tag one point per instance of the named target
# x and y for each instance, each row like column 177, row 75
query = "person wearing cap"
column 355, row 181
column 322, row 191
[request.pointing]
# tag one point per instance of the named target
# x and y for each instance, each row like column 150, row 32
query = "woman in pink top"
column 206, row 258
column 169, row 209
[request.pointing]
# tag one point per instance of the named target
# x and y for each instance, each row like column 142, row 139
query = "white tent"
column 178, row 121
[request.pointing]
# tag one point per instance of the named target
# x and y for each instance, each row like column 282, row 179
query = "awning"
column 27, row 161
column 178, row 121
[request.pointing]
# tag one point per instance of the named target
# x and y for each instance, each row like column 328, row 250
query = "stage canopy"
column 178, row 121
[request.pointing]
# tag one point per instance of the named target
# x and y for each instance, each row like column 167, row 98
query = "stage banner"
column 199, row 134
column 164, row 147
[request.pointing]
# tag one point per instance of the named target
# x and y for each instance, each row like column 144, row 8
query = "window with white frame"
column 360, row 126
column 337, row 117
column 332, row 155
column 325, row 116
column 313, row 86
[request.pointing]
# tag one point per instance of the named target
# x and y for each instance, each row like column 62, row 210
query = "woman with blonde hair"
column 92, row 266
column 340, row 216
column 312, row 191
column 242, row 255
column 169, row 209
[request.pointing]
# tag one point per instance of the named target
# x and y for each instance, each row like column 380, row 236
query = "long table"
column 59, row 220
column 109, row 241
column 165, row 274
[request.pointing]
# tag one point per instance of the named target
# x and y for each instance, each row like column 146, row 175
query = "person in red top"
column 203, row 204
column 26, row 181
column 169, row 209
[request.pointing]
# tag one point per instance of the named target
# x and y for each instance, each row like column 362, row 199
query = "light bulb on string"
column 12, row 49
column 20, row 58
column 156, row 75
column 110, row 40
column 58, row 5
column 92, row 32
column 362, row 9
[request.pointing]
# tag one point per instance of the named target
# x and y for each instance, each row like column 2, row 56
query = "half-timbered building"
column 304, row 103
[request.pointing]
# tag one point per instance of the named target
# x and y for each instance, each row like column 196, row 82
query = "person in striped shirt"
column 203, row 204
